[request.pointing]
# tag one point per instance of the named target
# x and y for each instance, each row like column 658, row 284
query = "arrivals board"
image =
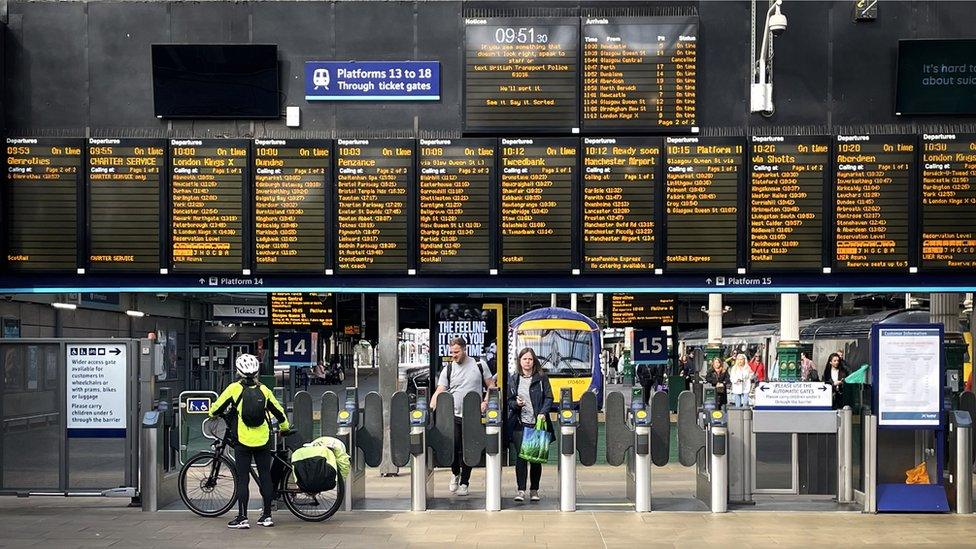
column 374, row 188
column 207, row 184
column 947, row 220
column 44, row 179
column 641, row 311
column 874, row 178
column 124, row 184
column 702, row 214
column 787, row 178
column 455, row 182
column 640, row 73
column 292, row 180
column 299, row 311
column 620, row 179
column 520, row 73
column 538, row 180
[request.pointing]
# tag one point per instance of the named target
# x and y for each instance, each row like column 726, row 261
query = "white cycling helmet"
column 247, row 365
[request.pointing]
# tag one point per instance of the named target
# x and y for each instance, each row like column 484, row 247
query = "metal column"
column 964, row 470
column 642, row 473
column 720, row 475
column 388, row 360
column 420, row 480
column 493, row 471
column 845, row 455
column 567, row 472
column 870, row 464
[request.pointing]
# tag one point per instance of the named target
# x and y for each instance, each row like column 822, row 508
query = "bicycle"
column 208, row 482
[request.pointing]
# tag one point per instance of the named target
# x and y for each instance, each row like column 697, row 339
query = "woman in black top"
column 834, row 373
column 529, row 399
column 718, row 376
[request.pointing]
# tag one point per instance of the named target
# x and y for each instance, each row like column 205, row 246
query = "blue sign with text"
column 372, row 80
column 650, row 347
column 295, row 349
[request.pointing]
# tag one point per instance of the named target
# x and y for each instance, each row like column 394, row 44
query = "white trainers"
column 520, row 496
column 535, row 495
column 455, row 481
column 462, row 490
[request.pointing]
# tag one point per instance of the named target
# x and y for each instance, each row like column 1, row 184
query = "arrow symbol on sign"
column 823, row 387
column 116, row 351
column 203, row 281
column 763, row 387
column 708, row 281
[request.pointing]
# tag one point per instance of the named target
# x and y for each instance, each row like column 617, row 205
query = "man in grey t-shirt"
column 467, row 376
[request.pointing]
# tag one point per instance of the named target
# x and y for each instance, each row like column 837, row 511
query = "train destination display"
column 619, row 186
column 874, row 176
column 787, row 179
column 374, row 180
column 455, row 182
column 43, row 181
column 640, row 73
column 641, row 311
column 701, row 203
column 301, row 311
column 521, row 73
column 124, row 178
column 291, row 182
column 538, row 180
column 948, row 207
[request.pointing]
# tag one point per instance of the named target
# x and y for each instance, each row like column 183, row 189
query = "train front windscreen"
column 562, row 353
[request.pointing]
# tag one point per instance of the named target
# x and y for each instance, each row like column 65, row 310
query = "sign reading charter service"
column 372, row 80
column 96, row 390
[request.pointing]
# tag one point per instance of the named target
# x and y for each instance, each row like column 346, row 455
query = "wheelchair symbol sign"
column 198, row 405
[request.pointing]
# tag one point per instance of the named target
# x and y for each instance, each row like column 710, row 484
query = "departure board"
column 787, row 178
column 374, row 187
column 520, row 73
column 948, row 211
column 124, row 182
column 702, row 202
column 874, row 178
column 454, row 204
column 44, row 178
column 292, row 179
column 620, row 176
column 538, row 181
column 301, row 311
column 641, row 311
column 207, row 180
column 640, row 73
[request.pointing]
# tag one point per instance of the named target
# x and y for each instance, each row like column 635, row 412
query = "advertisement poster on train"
column 909, row 376
column 96, row 390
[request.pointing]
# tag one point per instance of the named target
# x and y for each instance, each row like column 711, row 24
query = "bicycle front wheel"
column 313, row 507
column 208, row 484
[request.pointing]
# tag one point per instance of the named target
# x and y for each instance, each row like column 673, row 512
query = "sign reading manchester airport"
column 301, row 311
column 44, row 177
column 520, row 73
column 292, row 179
column 620, row 179
column 124, row 178
column 640, row 73
column 454, row 205
column 372, row 80
column 538, row 181
column 948, row 208
column 374, row 178
column 702, row 203
column 207, row 178
column 787, row 179
column 641, row 311
column 874, row 178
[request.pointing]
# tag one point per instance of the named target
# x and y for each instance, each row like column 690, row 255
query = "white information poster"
column 96, row 389
column 909, row 379
column 781, row 395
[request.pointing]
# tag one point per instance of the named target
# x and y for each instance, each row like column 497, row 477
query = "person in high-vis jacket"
column 250, row 442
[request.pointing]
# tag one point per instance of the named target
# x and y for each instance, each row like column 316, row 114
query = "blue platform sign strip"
column 372, row 80
column 650, row 347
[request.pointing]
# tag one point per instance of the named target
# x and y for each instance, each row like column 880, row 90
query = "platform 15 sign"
column 650, row 347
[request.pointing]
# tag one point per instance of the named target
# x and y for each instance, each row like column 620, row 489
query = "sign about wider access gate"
column 96, row 390
column 778, row 395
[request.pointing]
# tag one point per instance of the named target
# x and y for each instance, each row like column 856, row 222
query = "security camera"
column 161, row 297
column 777, row 22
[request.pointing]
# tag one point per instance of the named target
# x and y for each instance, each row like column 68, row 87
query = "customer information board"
column 874, row 178
column 641, row 311
column 455, row 186
column 207, row 189
column 520, row 73
column 620, row 180
column 124, row 185
column 299, row 311
column 948, row 207
column 292, row 184
column 640, row 73
column 44, row 180
column 908, row 370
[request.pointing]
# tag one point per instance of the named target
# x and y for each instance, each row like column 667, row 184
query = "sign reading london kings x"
column 372, row 80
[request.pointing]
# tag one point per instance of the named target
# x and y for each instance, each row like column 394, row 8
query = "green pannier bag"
column 535, row 443
column 315, row 469
column 338, row 450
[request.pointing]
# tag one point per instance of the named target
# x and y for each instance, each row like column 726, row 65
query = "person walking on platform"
column 247, row 404
column 462, row 376
column 741, row 377
column 718, row 377
column 808, row 370
column 529, row 399
column 834, row 374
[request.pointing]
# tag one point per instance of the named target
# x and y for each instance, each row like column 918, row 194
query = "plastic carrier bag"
column 535, row 443
column 917, row 475
column 857, row 376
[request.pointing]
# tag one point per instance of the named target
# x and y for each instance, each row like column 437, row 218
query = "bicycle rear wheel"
column 208, row 484
column 313, row 507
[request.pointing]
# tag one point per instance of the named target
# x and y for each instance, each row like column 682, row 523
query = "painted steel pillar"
column 788, row 349
column 388, row 361
column 714, row 346
column 944, row 309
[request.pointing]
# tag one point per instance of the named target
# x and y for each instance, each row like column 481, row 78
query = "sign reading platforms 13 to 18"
column 96, row 391
column 372, row 80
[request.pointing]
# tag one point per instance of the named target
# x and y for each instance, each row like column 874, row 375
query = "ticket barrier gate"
column 638, row 437
column 422, row 439
column 703, row 442
column 577, row 436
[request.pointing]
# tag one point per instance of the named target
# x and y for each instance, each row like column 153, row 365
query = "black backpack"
column 251, row 405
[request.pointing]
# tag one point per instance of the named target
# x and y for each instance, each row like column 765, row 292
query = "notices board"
column 874, row 178
column 292, row 180
column 301, row 311
column 44, row 178
column 620, row 180
column 207, row 178
column 948, row 206
column 96, row 390
column 640, row 73
column 454, row 205
column 124, row 184
column 702, row 178
column 374, row 182
column 538, row 188
column 787, row 178
column 782, row 395
column 641, row 311
column 520, row 73
column 908, row 375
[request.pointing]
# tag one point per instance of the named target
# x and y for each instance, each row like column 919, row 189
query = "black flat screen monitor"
column 215, row 81
column 936, row 77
